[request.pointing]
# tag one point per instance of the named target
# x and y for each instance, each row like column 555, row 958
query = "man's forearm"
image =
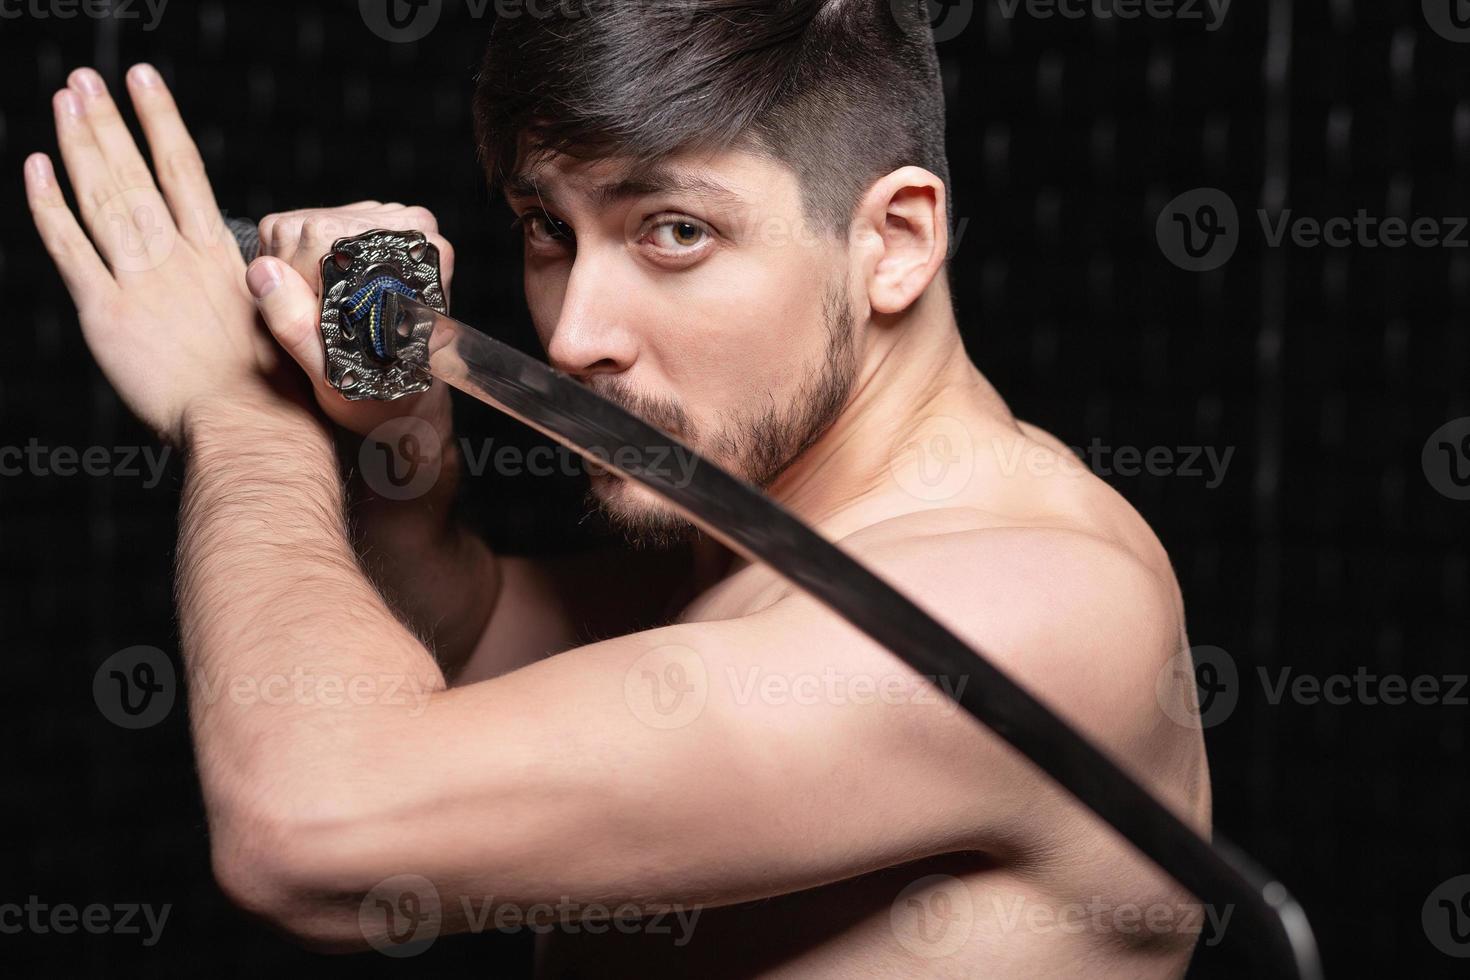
column 438, row 575
column 290, row 651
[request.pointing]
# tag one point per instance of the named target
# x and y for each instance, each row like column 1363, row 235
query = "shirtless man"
column 736, row 224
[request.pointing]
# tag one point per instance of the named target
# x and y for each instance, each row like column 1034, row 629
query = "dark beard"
column 762, row 447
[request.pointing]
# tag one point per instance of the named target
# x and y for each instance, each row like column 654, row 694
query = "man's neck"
column 914, row 368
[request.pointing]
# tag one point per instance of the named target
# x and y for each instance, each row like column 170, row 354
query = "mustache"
column 661, row 411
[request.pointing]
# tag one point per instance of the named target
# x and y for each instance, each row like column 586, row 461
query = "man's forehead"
column 729, row 179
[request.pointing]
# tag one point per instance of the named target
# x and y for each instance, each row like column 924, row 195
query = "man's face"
column 696, row 294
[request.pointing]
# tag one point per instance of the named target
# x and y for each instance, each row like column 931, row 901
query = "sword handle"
column 247, row 236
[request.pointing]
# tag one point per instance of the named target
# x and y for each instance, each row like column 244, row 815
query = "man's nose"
column 592, row 334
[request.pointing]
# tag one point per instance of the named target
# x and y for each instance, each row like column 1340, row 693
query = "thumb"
column 291, row 310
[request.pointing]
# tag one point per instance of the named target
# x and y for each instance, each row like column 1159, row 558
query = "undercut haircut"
column 841, row 91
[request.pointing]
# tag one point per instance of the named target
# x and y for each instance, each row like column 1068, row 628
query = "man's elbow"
column 304, row 878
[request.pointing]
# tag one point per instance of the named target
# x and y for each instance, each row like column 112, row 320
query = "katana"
column 386, row 330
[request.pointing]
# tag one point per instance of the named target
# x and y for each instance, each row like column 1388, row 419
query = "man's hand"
column 161, row 295
column 440, row 575
column 300, row 239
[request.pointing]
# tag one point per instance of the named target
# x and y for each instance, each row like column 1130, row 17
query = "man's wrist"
column 267, row 434
column 260, row 478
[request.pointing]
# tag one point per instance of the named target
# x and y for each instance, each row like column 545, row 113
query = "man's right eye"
column 541, row 228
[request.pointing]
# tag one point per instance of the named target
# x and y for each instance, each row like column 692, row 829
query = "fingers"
column 176, row 158
column 118, row 202
column 290, row 309
column 446, row 260
column 283, row 229
column 315, row 229
column 114, row 141
column 302, row 237
column 81, row 268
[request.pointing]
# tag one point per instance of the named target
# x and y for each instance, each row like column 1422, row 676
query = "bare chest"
column 953, row 916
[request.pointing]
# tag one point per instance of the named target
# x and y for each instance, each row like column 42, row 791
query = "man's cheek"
column 544, row 296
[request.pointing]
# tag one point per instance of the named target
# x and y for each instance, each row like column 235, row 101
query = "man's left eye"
column 675, row 235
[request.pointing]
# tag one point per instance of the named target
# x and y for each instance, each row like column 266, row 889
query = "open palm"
column 159, row 285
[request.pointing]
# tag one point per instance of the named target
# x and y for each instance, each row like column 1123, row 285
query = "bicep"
column 697, row 764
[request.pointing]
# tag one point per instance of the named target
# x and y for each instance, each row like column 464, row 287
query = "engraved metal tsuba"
column 373, row 350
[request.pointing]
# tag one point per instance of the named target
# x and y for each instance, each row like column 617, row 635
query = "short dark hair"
column 842, row 91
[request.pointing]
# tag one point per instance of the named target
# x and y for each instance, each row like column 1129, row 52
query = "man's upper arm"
column 548, row 605
column 718, row 762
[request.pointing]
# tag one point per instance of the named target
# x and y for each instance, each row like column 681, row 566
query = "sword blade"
column 753, row 525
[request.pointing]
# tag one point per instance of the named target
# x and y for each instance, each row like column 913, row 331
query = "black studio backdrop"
column 1327, row 537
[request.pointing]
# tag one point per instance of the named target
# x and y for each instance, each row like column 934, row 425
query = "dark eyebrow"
column 660, row 180
column 524, row 185
column 643, row 183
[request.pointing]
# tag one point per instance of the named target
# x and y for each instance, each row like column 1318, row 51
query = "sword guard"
column 375, row 348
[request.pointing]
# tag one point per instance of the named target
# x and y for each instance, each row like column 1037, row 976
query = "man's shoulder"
column 1092, row 626
column 978, row 547
column 1068, row 612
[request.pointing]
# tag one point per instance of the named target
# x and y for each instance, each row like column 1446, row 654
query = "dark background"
column 1325, row 549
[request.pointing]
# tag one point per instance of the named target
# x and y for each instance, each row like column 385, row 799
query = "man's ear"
column 902, row 227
